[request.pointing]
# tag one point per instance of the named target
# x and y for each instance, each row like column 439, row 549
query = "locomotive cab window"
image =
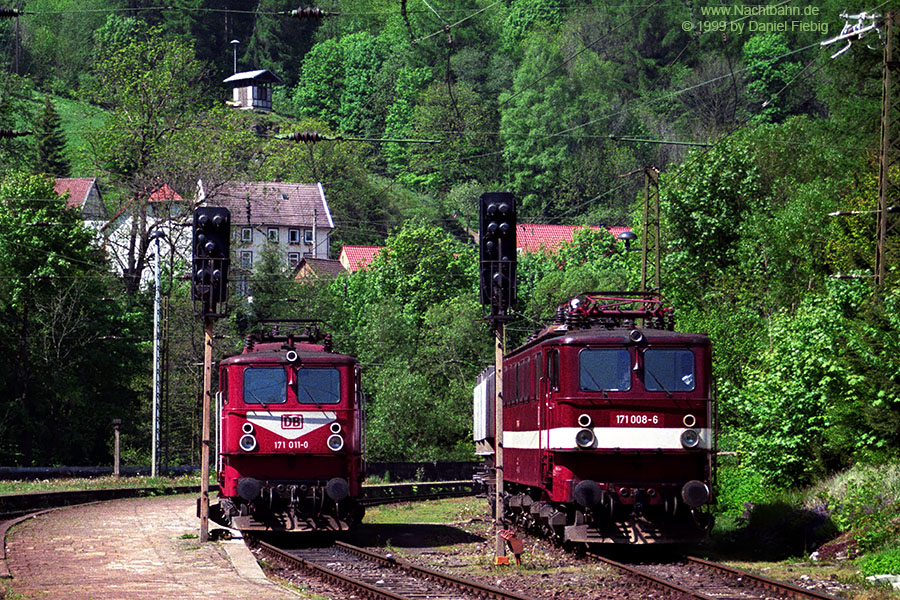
column 318, row 386
column 669, row 370
column 604, row 370
column 265, row 386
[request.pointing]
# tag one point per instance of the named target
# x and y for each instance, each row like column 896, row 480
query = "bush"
column 884, row 562
column 865, row 500
column 739, row 486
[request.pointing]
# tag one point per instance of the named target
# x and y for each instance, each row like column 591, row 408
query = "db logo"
column 292, row 421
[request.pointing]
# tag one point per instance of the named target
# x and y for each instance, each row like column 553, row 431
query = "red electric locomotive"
column 608, row 427
column 290, row 433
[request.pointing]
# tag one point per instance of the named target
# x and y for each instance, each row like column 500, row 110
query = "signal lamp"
column 690, row 438
column 335, row 442
column 584, row 438
column 248, row 443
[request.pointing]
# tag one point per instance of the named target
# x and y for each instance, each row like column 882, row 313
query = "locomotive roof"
column 276, row 357
column 620, row 335
column 276, row 353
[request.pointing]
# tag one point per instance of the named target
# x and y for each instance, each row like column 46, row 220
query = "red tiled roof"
column 274, row 203
column 615, row 231
column 532, row 237
column 78, row 188
column 165, row 194
column 358, row 257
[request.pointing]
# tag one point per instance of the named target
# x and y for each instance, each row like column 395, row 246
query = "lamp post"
column 234, row 45
column 154, row 443
column 628, row 237
column 116, row 450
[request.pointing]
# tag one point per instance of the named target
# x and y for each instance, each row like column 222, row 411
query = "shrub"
column 880, row 563
column 865, row 500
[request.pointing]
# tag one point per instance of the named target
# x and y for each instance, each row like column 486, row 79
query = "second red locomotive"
column 608, row 426
column 290, row 434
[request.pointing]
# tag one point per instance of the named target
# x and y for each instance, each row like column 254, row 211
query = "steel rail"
column 668, row 585
column 483, row 590
column 785, row 588
column 451, row 581
column 13, row 505
column 370, row 591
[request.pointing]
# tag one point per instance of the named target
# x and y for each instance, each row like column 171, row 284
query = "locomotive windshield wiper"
column 659, row 383
column 258, row 399
column 311, row 397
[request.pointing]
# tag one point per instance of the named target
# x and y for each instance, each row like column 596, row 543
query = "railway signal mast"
column 209, row 292
column 497, row 290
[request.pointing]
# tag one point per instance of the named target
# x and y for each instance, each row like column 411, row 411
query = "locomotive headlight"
column 248, row 443
column 584, row 438
column 335, row 427
column 690, row 438
column 335, row 442
column 247, row 427
column 584, row 420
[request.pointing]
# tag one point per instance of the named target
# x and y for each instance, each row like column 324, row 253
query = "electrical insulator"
column 9, row 133
column 308, row 13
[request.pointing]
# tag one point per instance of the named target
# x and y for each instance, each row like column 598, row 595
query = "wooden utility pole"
column 204, row 442
column 889, row 153
column 650, row 251
column 499, row 542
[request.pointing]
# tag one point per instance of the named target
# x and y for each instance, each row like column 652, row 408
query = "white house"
column 252, row 89
column 294, row 218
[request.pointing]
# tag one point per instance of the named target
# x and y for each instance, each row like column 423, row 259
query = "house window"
column 293, row 258
column 307, row 236
column 273, row 234
column 293, row 236
column 246, row 234
column 246, row 259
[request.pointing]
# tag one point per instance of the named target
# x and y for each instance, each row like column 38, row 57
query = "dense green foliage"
column 56, row 330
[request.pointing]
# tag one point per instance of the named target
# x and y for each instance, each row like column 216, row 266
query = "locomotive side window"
column 318, row 386
column 669, row 370
column 265, row 386
column 607, row 370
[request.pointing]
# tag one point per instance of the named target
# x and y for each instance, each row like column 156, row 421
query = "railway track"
column 15, row 505
column 704, row 580
column 374, row 575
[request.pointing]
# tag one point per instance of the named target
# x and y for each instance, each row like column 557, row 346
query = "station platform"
column 130, row 549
